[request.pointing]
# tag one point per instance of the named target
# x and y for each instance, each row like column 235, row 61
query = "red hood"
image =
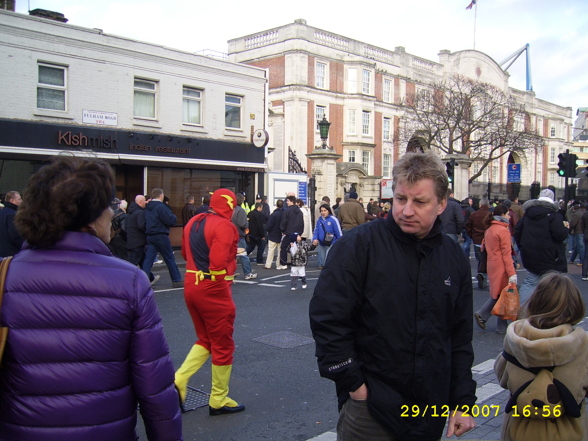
column 222, row 202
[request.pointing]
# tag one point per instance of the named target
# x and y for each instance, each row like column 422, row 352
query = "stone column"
column 461, row 174
column 324, row 169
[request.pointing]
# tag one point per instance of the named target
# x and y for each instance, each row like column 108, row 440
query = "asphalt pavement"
column 275, row 373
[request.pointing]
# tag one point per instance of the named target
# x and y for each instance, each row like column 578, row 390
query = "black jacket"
column 395, row 313
column 292, row 220
column 158, row 218
column 452, row 217
column 10, row 240
column 256, row 221
column 540, row 235
column 135, row 223
column 274, row 233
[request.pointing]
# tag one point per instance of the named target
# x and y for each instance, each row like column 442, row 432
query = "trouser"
column 271, row 250
column 529, row 286
column 467, row 243
column 486, row 311
column 284, row 248
column 322, row 252
column 259, row 242
column 578, row 249
column 295, row 273
column 245, row 262
column 160, row 243
column 137, row 257
column 357, row 424
column 585, row 262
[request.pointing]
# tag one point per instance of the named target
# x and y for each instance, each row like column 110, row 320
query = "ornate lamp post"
column 324, row 131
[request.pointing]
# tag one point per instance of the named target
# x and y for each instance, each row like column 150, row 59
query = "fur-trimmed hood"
column 544, row 202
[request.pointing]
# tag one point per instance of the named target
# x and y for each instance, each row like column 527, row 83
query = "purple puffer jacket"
column 85, row 346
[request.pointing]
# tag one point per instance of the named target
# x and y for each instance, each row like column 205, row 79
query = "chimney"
column 7, row 5
column 43, row 13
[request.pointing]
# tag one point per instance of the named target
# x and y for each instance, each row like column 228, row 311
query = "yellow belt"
column 201, row 275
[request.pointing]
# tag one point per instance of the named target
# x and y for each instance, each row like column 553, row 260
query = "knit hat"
column 352, row 195
column 294, row 237
column 546, row 195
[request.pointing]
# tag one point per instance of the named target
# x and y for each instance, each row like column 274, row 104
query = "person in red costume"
column 209, row 245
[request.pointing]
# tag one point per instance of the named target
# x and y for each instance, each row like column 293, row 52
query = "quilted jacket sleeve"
column 152, row 372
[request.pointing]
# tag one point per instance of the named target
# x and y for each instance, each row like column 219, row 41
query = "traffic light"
column 572, row 158
column 449, row 168
column 562, row 165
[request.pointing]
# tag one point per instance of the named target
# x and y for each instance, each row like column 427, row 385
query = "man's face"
column 16, row 200
column 416, row 207
column 289, row 202
column 141, row 202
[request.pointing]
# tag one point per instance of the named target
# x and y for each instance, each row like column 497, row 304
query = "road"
column 285, row 397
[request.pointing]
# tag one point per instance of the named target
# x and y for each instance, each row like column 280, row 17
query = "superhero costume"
column 209, row 246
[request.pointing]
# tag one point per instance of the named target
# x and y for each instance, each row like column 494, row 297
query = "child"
column 299, row 251
column 544, row 338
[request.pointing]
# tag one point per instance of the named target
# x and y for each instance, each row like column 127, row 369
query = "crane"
column 514, row 57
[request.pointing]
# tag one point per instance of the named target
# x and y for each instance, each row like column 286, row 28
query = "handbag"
column 508, row 304
column 482, row 264
column 3, row 330
column 329, row 237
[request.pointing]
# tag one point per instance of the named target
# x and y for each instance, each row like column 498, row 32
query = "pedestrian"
column 136, row 239
column 209, row 245
column 467, row 209
column 541, row 348
column 398, row 343
column 577, row 233
column 265, row 208
column 317, row 208
column 584, row 226
column 299, row 249
column 118, row 230
column 452, row 219
column 501, row 271
column 158, row 220
column 351, row 213
column 307, row 231
column 274, row 236
column 239, row 219
column 292, row 221
column 336, row 206
column 516, row 207
column 476, row 226
column 540, row 235
column 385, row 210
column 325, row 224
column 10, row 239
column 257, row 234
column 205, row 205
column 189, row 210
column 86, row 348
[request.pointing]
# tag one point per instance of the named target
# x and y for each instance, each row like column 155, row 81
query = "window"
column 365, row 122
column 365, row 160
column 320, row 113
column 386, row 163
column 387, row 91
column 352, row 80
column 321, row 75
column 145, row 93
column 51, row 87
column 192, row 106
column 552, row 134
column 351, row 156
column 233, row 111
column 366, row 82
column 351, row 122
column 552, row 155
column 386, row 129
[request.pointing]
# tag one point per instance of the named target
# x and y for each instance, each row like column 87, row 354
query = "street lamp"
column 324, row 131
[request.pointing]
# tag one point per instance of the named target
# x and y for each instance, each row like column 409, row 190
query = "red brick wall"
column 276, row 66
column 410, row 90
column 378, row 123
column 546, row 128
column 310, row 131
column 336, row 130
column 336, row 77
column 396, row 90
column 277, row 103
column 311, row 79
column 396, row 149
column 378, row 87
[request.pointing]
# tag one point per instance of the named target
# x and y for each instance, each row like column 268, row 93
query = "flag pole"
column 475, row 19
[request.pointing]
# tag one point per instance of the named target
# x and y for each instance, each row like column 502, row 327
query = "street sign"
column 513, row 173
column 303, row 191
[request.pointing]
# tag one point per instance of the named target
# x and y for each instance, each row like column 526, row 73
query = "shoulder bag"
column 3, row 330
column 328, row 240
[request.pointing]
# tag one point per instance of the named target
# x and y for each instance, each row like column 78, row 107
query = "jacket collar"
column 78, row 241
column 10, row 205
column 540, row 203
column 431, row 240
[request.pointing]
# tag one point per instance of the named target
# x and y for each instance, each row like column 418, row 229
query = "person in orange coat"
column 209, row 245
column 500, row 265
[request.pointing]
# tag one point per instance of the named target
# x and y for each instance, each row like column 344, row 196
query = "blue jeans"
column 245, row 262
column 467, row 243
column 322, row 252
column 578, row 249
column 528, row 286
column 160, row 243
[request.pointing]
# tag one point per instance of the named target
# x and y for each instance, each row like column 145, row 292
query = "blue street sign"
column 513, row 173
column 303, row 191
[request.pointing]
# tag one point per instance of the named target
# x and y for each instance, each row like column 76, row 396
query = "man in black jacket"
column 10, row 240
column 452, row 219
column 292, row 222
column 399, row 346
column 136, row 240
column 274, row 236
column 256, row 236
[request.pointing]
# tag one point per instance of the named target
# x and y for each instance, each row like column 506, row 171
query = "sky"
column 556, row 31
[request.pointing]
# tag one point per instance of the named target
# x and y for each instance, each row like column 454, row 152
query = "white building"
column 163, row 117
column 360, row 88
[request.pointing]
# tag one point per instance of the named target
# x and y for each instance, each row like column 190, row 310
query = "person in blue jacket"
column 326, row 223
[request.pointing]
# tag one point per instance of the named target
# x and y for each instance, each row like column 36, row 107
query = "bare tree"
column 462, row 115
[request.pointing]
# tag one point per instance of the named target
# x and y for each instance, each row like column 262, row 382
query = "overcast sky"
column 556, row 31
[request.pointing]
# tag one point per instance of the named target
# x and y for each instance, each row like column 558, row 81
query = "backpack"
column 543, row 408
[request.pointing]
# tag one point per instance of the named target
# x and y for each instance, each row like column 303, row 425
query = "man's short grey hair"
column 414, row 167
column 484, row 202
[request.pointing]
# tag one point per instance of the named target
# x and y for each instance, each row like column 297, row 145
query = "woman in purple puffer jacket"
column 85, row 341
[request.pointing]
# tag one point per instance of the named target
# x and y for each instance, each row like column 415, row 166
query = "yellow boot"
column 219, row 402
column 194, row 361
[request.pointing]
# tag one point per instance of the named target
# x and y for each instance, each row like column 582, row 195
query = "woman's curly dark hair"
column 65, row 195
